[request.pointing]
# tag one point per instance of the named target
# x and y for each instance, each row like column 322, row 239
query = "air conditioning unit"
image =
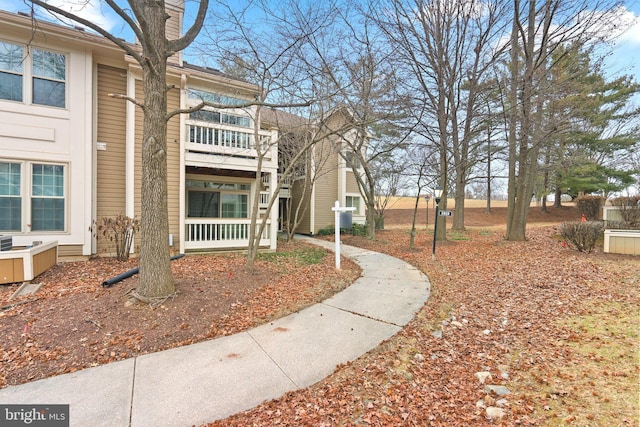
column 6, row 243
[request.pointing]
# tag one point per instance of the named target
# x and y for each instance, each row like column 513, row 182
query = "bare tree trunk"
column 513, row 117
column 488, row 208
column 458, row 216
column 156, row 279
column 412, row 240
column 557, row 202
column 254, row 234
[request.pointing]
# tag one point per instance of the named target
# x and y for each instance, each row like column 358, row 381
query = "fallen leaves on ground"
column 520, row 313
column 73, row 323
column 496, row 308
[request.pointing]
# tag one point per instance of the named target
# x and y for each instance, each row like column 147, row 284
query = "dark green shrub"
column 359, row 229
column 590, row 206
column 581, row 235
column 327, row 231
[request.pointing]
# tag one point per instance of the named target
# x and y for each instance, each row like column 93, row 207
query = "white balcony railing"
column 229, row 142
column 287, row 180
column 220, row 233
column 264, row 199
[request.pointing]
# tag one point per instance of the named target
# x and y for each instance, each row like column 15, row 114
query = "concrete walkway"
column 212, row 380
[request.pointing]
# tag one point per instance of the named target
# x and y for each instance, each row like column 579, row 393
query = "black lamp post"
column 437, row 194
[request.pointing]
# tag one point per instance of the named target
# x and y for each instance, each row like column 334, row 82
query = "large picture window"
column 32, row 197
column 204, row 204
column 217, row 199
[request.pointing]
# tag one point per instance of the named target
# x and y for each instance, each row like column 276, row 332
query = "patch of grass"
column 304, row 255
column 600, row 387
column 455, row 235
column 484, row 232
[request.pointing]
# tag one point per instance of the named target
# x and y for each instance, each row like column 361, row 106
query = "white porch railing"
column 220, row 233
column 264, row 199
column 229, row 142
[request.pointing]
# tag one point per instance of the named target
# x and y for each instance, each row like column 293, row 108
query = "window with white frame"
column 353, row 202
column 32, row 197
column 46, row 72
column 11, row 71
column 217, row 200
column 49, row 75
column 10, row 197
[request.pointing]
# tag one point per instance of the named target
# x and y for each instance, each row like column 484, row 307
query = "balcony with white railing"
column 220, row 233
column 226, row 141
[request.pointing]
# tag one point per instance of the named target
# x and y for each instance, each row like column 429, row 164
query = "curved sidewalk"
column 212, row 380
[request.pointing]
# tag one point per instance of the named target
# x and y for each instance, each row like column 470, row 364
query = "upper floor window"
column 49, row 72
column 216, row 117
column 46, row 71
column 11, row 61
column 214, row 98
column 352, row 160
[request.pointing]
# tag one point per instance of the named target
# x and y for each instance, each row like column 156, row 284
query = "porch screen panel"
column 234, row 206
column 204, row 204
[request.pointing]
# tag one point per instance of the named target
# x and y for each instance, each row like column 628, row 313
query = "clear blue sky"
column 625, row 59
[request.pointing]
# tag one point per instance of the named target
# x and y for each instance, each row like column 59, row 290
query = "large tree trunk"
column 156, row 280
column 458, row 216
column 514, row 80
column 557, row 202
column 412, row 239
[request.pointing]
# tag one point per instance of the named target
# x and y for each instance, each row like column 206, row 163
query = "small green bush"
column 590, row 206
column 581, row 235
column 326, row 231
column 305, row 256
column 356, row 230
column 359, row 229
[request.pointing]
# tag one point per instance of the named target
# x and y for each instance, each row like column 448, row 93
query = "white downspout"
column 183, row 172
column 93, row 246
column 312, row 196
column 130, row 148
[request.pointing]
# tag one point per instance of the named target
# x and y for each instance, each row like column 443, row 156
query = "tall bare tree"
column 539, row 28
column 147, row 18
column 449, row 48
column 266, row 44
column 362, row 74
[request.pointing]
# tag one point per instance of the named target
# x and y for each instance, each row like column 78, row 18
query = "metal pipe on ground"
column 110, row 282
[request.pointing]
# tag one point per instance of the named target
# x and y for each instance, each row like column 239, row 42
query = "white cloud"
column 617, row 25
column 90, row 10
column 630, row 26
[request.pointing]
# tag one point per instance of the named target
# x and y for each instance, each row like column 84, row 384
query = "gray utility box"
column 6, row 243
column 346, row 220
